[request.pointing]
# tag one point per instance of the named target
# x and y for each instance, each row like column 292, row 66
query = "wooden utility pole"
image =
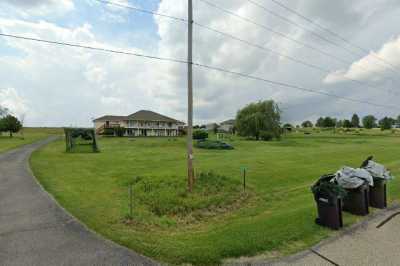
column 190, row 99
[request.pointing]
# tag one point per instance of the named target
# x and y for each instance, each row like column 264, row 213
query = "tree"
column 320, row 122
column 307, row 124
column 259, row 117
column 347, row 123
column 369, row 121
column 355, row 121
column 11, row 124
column 339, row 123
column 215, row 128
column 329, row 122
column 386, row 123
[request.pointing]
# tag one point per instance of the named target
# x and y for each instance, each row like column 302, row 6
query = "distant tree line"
column 367, row 122
column 8, row 122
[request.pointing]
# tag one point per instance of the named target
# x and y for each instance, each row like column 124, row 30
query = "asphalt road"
column 35, row 230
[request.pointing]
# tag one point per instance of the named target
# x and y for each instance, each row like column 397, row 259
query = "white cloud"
column 10, row 99
column 27, row 8
column 372, row 67
column 115, row 12
column 110, row 100
column 70, row 86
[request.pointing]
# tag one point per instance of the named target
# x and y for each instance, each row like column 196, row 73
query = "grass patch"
column 168, row 199
column 277, row 217
column 28, row 136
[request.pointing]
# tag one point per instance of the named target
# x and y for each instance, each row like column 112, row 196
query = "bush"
column 108, row 132
column 119, row 131
column 266, row 136
column 213, row 145
column 200, row 134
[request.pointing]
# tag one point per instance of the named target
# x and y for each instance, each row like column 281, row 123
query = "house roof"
column 145, row 115
column 228, row 122
column 142, row 115
column 110, row 118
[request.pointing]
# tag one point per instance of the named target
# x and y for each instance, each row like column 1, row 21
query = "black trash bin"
column 329, row 203
column 357, row 200
column 378, row 194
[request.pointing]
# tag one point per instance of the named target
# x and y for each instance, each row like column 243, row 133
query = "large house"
column 228, row 125
column 142, row 123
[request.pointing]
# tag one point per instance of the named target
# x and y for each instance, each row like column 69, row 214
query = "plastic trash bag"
column 352, row 178
column 378, row 170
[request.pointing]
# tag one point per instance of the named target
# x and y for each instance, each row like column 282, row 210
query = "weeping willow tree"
column 72, row 135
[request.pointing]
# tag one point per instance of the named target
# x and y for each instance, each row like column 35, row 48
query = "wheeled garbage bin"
column 378, row 194
column 329, row 203
column 357, row 200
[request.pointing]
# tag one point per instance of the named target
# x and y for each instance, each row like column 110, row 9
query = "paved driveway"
column 34, row 230
column 376, row 241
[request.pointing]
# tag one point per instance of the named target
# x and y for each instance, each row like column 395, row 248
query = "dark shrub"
column 108, row 132
column 200, row 134
column 266, row 136
column 213, row 145
column 119, row 131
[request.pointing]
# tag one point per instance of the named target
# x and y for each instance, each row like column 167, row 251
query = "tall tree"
column 307, row 124
column 320, row 122
column 386, row 123
column 329, row 122
column 355, row 121
column 11, row 124
column 257, row 118
column 347, row 123
column 369, row 121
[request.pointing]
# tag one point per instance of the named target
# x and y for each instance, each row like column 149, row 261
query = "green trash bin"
column 328, row 197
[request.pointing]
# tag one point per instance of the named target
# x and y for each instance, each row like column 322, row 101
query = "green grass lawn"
column 276, row 218
column 28, row 136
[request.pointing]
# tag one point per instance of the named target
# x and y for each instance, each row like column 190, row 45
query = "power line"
column 141, row 10
column 338, row 36
column 291, row 22
column 263, row 26
column 248, row 20
column 327, row 71
column 92, row 48
column 280, row 54
column 282, row 84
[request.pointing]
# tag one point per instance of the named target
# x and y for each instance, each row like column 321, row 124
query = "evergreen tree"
column 355, row 121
